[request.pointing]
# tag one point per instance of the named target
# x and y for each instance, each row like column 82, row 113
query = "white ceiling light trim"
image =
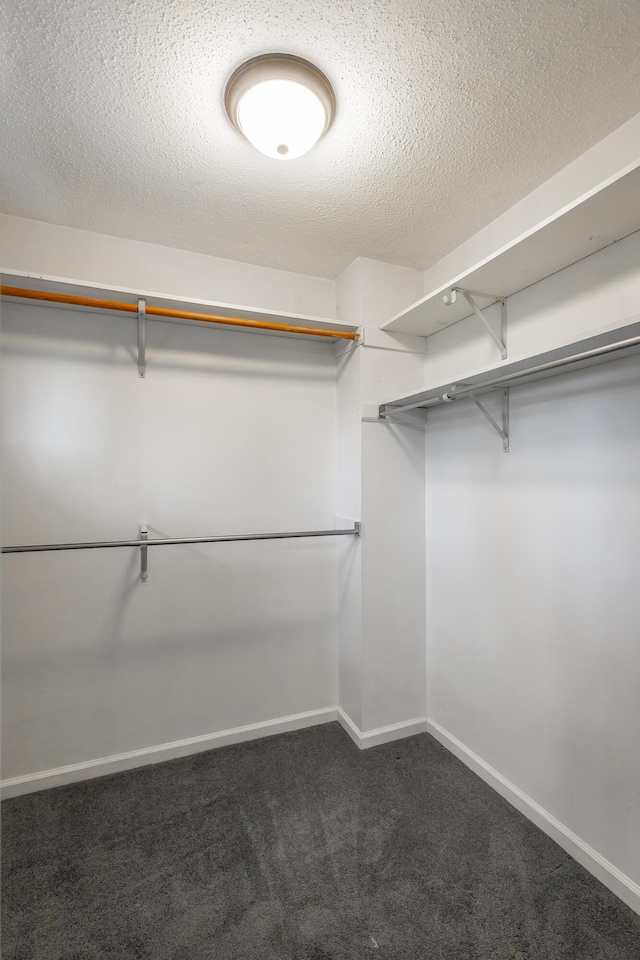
column 282, row 104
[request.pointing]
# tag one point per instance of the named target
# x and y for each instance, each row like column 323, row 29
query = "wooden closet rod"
column 166, row 312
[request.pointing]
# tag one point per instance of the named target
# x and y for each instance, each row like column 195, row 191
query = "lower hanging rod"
column 462, row 390
column 172, row 541
column 170, row 313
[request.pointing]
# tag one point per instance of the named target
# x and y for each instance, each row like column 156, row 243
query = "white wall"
column 393, row 576
column 381, row 621
column 533, row 611
column 228, row 433
column 393, row 559
column 349, row 507
column 36, row 248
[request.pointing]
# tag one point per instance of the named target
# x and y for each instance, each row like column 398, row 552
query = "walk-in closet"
column 320, row 490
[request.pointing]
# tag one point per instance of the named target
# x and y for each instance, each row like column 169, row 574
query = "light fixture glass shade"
column 281, row 104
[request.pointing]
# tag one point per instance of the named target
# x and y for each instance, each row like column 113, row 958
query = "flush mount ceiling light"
column 280, row 103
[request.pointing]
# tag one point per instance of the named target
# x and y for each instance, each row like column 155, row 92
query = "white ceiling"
column 449, row 111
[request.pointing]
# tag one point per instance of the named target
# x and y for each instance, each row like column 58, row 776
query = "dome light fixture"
column 282, row 104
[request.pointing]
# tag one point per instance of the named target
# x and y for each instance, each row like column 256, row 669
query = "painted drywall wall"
column 228, row 433
column 393, row 559
column 533, row 659
column 393, row 575
column 36, row 248
column 381, row 616
column 349, row 507
column 349, row 497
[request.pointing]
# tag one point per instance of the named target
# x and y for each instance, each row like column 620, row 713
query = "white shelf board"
column 81, row 289
column 568, row 357
column 610, row 213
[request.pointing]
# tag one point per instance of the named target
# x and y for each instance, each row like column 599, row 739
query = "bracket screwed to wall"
column 144, row 535
column 469, row 295
column 503, row 431
column 142, row 337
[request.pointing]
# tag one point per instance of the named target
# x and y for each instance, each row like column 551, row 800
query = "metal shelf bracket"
column 144, row 535
column 469, row 295
column 142, row 338
column 503, row 431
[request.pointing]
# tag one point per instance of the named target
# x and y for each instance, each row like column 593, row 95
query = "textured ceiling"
column 449, row 111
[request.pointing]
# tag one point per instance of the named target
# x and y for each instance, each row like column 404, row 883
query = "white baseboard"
column 623, row 887
column 372, row 738
column 45, row 779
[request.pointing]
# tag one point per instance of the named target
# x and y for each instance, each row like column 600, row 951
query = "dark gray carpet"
column 297, row 847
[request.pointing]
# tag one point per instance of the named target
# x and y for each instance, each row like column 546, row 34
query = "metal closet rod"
column 171, row 541
column 462, row 390
column 167, row 312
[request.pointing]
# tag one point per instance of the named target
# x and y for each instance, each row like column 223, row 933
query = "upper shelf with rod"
column 612, row 344
column 605, row 215
column 77, row 295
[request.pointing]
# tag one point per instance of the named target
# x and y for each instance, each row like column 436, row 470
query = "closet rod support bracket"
column 142, row 337
column 502, row 431
column 144, row 535
column 470, row 295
